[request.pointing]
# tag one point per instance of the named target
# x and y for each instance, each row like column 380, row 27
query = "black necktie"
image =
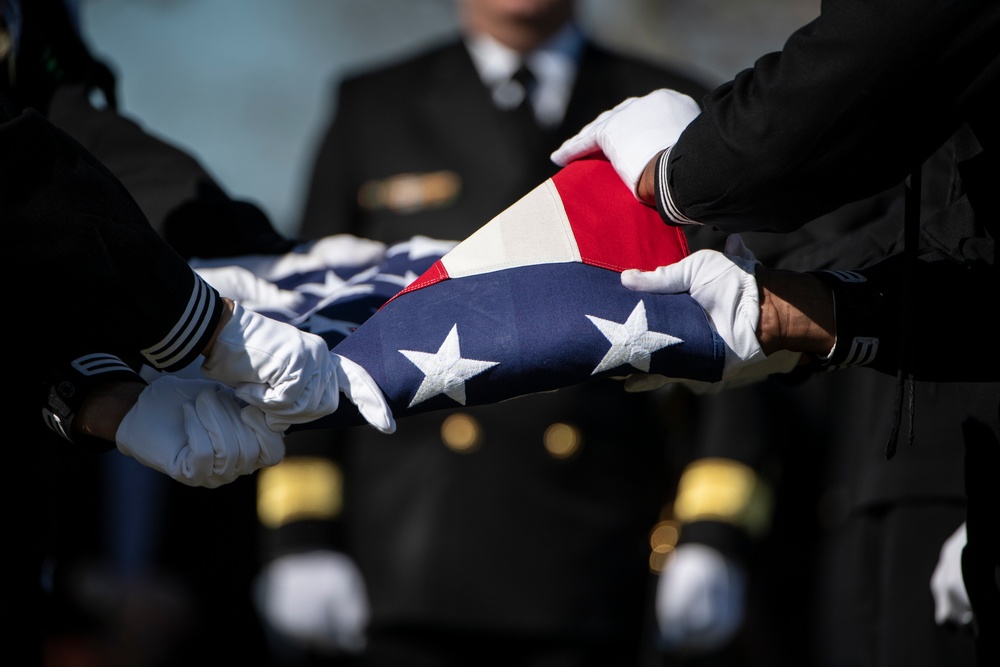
column 526, row 79
column 523, row 113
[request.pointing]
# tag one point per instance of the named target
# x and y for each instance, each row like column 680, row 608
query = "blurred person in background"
column 515, row 533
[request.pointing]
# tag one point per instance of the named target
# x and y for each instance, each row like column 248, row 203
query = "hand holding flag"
column 531, row 302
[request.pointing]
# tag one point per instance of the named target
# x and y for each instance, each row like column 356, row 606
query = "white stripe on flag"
column 535, row 230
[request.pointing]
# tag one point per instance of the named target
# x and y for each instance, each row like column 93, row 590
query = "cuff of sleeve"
column 665, row 204
column 729, row 540
column 190, row 334
column 300, row 537
column 867, row 318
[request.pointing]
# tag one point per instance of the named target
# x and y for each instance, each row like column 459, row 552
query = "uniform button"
column 662, row 542
column 562, row 440
column 461, row 433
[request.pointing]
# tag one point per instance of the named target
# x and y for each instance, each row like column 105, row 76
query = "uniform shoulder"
column 403, row 67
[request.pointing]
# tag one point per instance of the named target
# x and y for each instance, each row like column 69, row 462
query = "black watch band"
column 69, row 385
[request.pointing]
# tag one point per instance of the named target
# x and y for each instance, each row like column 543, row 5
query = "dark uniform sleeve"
column 857, row 101
column 871, row 304
column 854, row 101
column 97, row 291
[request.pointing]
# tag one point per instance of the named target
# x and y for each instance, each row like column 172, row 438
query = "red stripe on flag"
column 613, row 230
column 435, row 274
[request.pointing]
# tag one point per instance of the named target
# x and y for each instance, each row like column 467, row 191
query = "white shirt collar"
column 554, row 65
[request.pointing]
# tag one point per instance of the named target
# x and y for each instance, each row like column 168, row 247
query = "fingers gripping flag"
column 533, row 302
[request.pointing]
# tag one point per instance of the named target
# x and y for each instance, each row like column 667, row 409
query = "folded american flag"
column 530, row 302
column 533, row 302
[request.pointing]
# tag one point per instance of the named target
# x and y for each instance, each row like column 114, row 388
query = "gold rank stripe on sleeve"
column 718, row 489
column 299, row 489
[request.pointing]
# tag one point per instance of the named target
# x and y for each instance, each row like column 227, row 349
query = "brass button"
column 662, row 542
column 562, row 440
column 461, row 432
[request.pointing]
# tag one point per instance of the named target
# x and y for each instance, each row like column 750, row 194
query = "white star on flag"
column 632, row 342
column 419, row 247
column 331, row 283
column 445, row 371
column 401, row 280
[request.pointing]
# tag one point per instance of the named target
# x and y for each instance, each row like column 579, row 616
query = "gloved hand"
column 725, row 286
column 365, row 393
column 699, row 600
column 951, row 600
column 287, row 373
column 197, row 432
column 316, row 598
column 632, row 133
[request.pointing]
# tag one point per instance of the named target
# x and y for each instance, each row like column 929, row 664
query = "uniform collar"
column 554, row 65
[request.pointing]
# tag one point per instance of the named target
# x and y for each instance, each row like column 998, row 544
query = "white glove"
column 197, row 432
column 951, row 600
column 699, row 599
column 316, row 598
column 725, row 286
column 365, row 393
column 632, row 133
column 287, row 373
